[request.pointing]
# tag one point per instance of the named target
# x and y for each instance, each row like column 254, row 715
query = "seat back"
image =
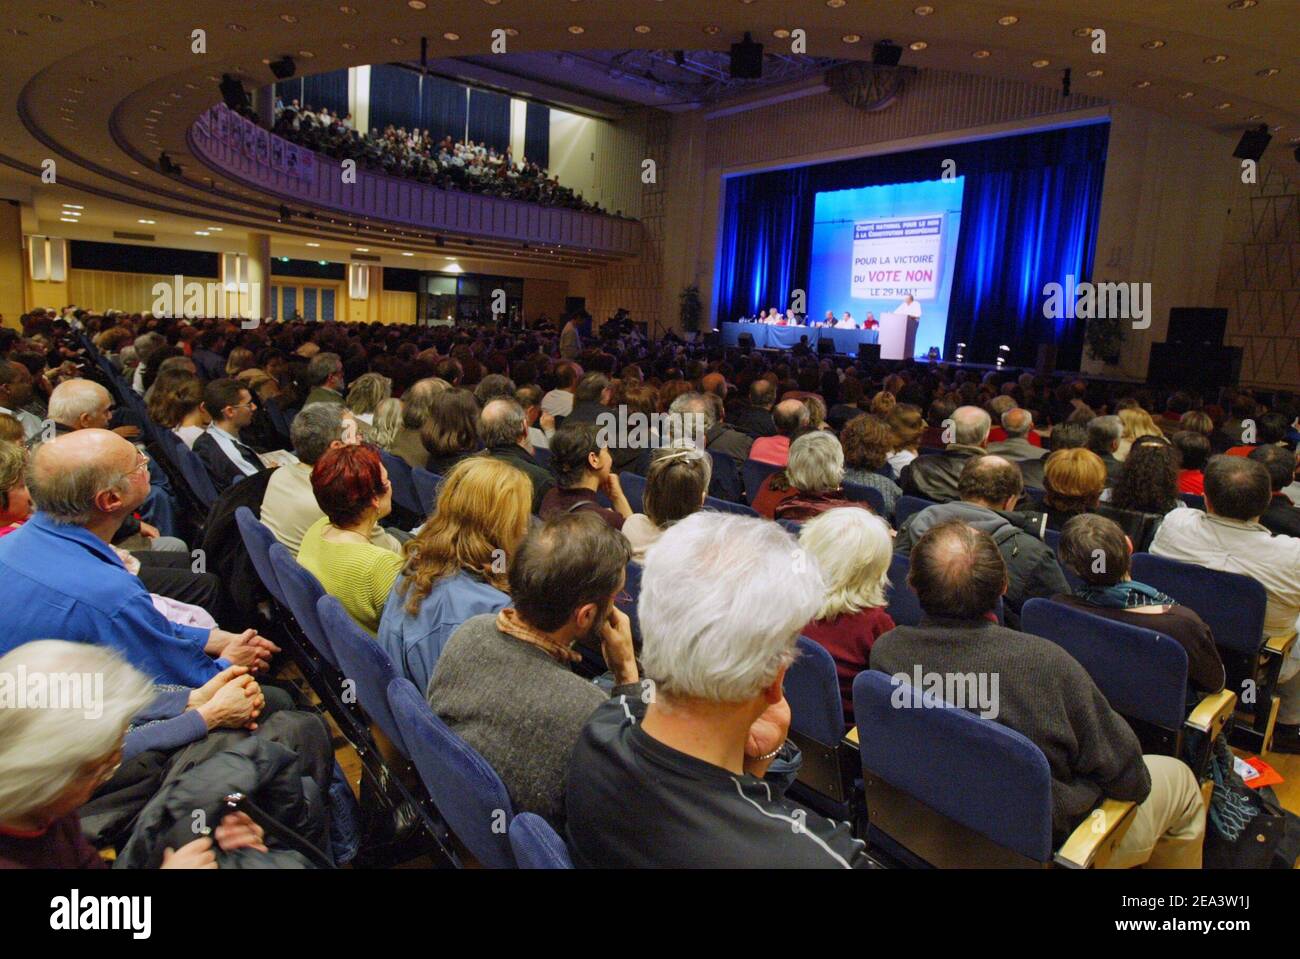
column 813, row 691
column 906, row 506
column 196, row 475
column 865, row 494
column 302, row 591
column 726, row 506
column 634, row 489
column 1140, row 527
column 536, row 845
column 399, row 474
column 470, row 796
column 426, row 490
column 1193, row 500
column 258, row 540
column 753, row 473
column 1142, row 673
column 365, row 663
column 902, row 604
column 1231, row 604
column 543, row 456
column 955, row 789
column 791, row 526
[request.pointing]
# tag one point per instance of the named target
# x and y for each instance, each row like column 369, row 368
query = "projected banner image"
column 872, row 247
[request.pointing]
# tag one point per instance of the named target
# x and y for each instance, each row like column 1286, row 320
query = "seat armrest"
column 1212, row 712
column 1092, row 844
column 1279, row 646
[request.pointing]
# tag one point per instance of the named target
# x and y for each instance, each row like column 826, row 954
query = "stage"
column 768, row 337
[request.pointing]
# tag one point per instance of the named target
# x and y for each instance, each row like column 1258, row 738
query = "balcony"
column 243, row 151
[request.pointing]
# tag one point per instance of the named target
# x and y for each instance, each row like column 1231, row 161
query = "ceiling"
column 99, row 87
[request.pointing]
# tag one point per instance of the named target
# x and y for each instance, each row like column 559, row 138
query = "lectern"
column 897, row 336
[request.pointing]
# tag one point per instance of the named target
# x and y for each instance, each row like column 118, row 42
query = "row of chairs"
column 360, row 686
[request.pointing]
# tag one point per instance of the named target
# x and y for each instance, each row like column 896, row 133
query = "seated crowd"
column 594, row 510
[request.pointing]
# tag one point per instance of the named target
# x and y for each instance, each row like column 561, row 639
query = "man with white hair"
column 934, row 476
column 62, row 578
column 693, row 771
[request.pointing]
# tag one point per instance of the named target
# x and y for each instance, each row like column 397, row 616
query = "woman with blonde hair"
column 1137, row 423
column 456, row 566
column 1073, row 480
column 241, row 358
column 367, row 392
column 852, row 548
column 387, row 423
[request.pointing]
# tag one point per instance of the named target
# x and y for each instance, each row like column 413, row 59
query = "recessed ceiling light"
column 363, row 249
column 1083, row 31
column 980, row 54
column 1216, row 58
column 1242, row 4
column 288, row 18
column 851, row 37
column 1142, row 84
column 215, row 229
column 306, row 54
column 396, row 41
column 74, row 206
column 1095, row 73
column 416, row 4
column 575, row 29
column 642, row 28
column 1186, row 95
column 924, row 10
column 1225, row 105
column 323, row 262
column 1039, row 64
column 146, row 221
column 1153, row 44
column 917, row 45
column 310, row 243
column 451, row 36
column 67, row 219
column 344, row 8
column 834, row 3
column 1008, row 21
column 404, row 253
column 1266, row 74
column 780, row 33
column 202, row 233
column 712, row 29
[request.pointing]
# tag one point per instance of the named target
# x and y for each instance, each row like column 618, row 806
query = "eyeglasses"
column 144, row 462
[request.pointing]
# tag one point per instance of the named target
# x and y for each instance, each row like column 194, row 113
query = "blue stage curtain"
column 537, row 135
column 394, row 97
column 327, row 90
column 1030, row 209
column 489, row 119
column 443, row 108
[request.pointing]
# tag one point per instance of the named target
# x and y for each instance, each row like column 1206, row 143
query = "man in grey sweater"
column 504, row 683
column 1045, row 695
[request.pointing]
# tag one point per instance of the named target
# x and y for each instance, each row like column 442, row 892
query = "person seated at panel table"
column 846, row 322
column 871, row 323
column 791, row 319
column 828, row 320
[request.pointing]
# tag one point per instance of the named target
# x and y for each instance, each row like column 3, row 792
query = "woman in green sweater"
column 352, row 489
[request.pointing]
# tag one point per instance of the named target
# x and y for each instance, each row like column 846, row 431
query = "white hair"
column 816, row 462
column 852, row 548
column 46, row 746
column 971, row 425
column 75, row 398
column 723, row 598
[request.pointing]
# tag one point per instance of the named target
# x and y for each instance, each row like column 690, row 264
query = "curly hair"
column 1148, row 482
column 867, row 442
column 482, row 517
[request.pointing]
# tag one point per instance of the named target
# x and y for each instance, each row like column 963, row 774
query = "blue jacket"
column 63, row 582
column 414, row 643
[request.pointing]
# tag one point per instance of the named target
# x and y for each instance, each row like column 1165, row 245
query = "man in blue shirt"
column 64, row 581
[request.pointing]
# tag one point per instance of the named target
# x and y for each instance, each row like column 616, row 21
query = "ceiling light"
column 575, row 29
column 1095, row 73
column 237, row 27
column 416, row 4
column 1039, row 64
column 980, row 54
column 404, row 253
column 1242, row 4
column 1142, row 84
column 851, row 38
column 71, row 213
column 923, row 11
column 346, row 9
column 323, row 262
column 363, row 249
column 780, row 33
column 511, row 32
column 451, row 36
column 834, row 3
column 396, row 41
column 642, row 28
column 309, row 243
column 1267, row 74
column 306, row 54
column 1225, row 105
column 917, row 45
column 1255, row 117
column 74, row 206
column 67, row 219
column 348, row 45
column 215, row 229
column 202, row 233
column 1186, row 95
column 1153, row 44
column 1216, row 58
column 146, row 221
column 713, row 29
column 1083, row 31
column 1008, row 21
column 288, row 18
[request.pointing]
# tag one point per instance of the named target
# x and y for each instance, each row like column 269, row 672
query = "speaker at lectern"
column 897, row 336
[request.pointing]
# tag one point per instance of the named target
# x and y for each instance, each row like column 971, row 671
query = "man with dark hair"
column 559, row 401
column 1282, row 517
column 325, row 377
column 1228, row 536
column 583, row 467
column 1040, row 691
column 590, row 399
column 15, row 393
column 540, row 424
column 503, row 431
column 1068, row 436
column 754, row 416
column 1269, row 429
column 503, row 682
column 491, row 387
column 989, row 487
column 1097, row 551
column 1104, row 434
column 791, row 418
column 225, row 455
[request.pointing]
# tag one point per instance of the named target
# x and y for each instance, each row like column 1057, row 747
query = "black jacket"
column 753, row 420
column 934, row 476
column 538, row 475
column 223, row 549
column 221, row 468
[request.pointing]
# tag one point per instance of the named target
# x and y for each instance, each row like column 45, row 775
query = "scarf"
column 509, row 622
column 1124, row 595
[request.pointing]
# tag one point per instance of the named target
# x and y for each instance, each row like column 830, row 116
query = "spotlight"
column 886, row 53
column 283, row 68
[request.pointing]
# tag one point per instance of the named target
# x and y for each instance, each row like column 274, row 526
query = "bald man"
column 989, row 487
column 63, row 579
column 790, row 418
column 80, row 404
column 934, row 476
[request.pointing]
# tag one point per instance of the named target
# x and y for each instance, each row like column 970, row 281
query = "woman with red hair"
column 352, row 489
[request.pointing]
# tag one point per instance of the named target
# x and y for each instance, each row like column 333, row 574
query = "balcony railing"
column 244, row 151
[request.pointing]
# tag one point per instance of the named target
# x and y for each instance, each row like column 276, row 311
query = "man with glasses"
column 225, row 455
column 64, row 579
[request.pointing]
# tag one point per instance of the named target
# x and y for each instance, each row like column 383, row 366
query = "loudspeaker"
column 825, row 348
column 747, row 60
column 1253, row 143
column 1197, row 325
column 1204, row 370
column 283, row 68
column 233, row 92
column 745, row 342
column 575, row 304
column 886, row 53
column 870, row 352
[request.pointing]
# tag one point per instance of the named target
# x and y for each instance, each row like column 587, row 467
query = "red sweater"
column 849, row 639
column 60, row 845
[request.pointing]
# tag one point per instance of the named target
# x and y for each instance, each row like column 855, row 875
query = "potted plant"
column 1104, row 337
column 691, row 310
